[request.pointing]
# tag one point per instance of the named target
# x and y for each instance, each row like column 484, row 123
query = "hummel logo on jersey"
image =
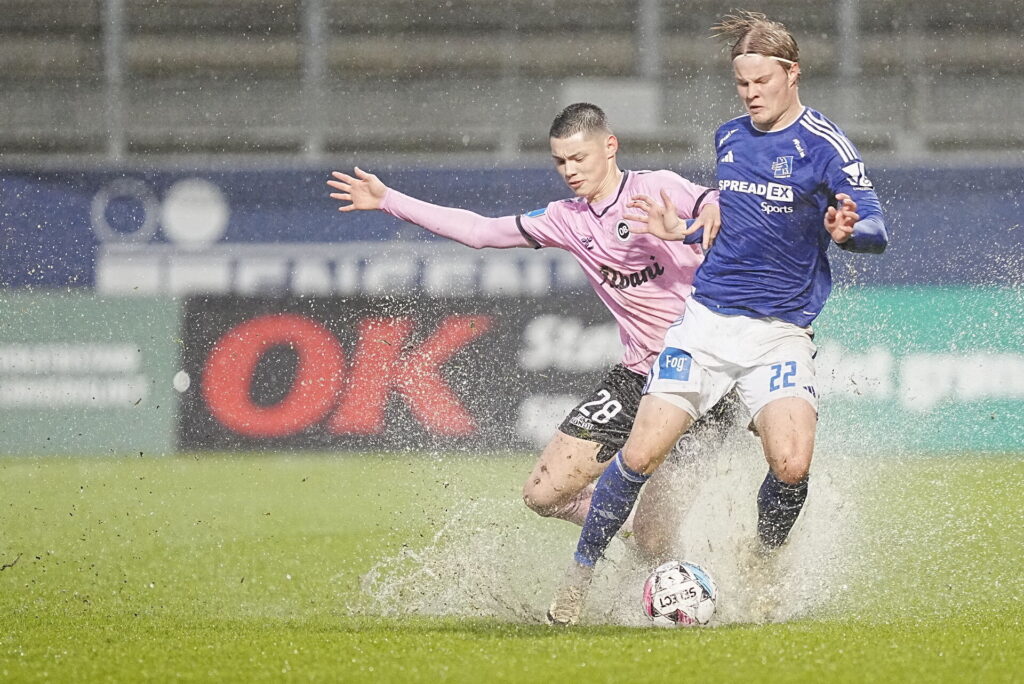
column 726, row 158
column 858, row 176
column 721, row 141
column 783, row 167
column 587, row 241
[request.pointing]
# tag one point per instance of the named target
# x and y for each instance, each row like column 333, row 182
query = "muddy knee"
column 540, row 498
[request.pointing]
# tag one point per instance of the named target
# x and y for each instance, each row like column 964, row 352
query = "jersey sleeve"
column 845, row 173
column 461, row 225
column 688, row 197
column 543, row 227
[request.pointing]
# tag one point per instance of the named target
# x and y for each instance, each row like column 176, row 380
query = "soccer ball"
column 679, row 593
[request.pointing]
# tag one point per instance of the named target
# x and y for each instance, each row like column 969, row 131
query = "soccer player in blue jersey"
column 791, row 183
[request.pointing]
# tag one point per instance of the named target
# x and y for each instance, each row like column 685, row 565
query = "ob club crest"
column 622, row 230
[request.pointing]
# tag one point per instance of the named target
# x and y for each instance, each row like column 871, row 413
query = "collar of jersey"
column 622, row 186
column 803, row 111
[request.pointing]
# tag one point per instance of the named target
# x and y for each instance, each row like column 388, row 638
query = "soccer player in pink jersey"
column 644, row 282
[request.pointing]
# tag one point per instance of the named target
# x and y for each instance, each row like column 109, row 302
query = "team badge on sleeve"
column 858, row 176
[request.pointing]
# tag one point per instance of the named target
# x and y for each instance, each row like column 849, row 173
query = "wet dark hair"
column 753, row 32
column 579, row 117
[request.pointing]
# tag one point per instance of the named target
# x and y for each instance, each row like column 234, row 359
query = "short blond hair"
column 753, row 32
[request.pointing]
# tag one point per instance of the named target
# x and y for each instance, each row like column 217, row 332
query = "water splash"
column 493, row 559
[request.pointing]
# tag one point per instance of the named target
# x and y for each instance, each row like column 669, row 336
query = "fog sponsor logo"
column 674, row 364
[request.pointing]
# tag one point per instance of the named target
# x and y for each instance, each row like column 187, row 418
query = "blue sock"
column 778, row 505
column 613, row 499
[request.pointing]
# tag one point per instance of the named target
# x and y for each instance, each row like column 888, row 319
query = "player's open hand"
column 710, row 219
column 364, row 191
column 839, row 220
column 659, row 220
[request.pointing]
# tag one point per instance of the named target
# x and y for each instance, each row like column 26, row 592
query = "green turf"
column 240, row 569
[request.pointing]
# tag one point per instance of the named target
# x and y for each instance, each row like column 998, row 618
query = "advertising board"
column 81, row 374
column 900, row 369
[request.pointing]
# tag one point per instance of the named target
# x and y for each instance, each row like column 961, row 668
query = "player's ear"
column 794, row 74
column 612, row 145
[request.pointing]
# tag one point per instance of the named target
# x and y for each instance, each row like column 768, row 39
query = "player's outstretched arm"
column 364, row 191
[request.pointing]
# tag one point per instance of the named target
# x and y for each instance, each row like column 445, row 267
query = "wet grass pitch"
column 242, row 568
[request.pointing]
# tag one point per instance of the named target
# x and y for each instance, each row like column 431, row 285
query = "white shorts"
column 706, row 354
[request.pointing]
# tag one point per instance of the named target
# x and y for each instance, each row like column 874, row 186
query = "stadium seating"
column 479, row 75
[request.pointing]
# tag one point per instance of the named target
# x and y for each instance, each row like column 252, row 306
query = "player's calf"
column 778, row 505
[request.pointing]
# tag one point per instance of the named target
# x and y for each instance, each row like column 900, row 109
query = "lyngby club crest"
column 783, row 167
column 622, row 230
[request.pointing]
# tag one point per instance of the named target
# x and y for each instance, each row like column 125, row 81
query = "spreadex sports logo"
column 774, row 192
column 346, row 397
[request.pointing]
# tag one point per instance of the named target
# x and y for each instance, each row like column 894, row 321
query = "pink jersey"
column 644, row 281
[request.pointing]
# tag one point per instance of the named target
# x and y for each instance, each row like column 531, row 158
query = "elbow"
column 879, row 238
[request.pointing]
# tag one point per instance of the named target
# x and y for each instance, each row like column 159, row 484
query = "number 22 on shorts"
column 782, row 376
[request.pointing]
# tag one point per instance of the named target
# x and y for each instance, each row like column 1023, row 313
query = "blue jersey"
column 769, row 257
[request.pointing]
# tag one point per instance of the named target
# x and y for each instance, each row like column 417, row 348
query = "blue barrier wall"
column 948, row 226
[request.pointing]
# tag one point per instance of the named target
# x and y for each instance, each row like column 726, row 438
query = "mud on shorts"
column 606, row 415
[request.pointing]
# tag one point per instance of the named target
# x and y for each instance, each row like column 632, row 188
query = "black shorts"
column 606, row 416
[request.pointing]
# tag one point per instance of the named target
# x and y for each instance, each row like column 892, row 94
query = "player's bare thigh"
column 565, row 467
column 659, row 424
column 787, row 427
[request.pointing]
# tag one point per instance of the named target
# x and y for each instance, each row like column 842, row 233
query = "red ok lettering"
column 227, row 377
column 382, row 367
